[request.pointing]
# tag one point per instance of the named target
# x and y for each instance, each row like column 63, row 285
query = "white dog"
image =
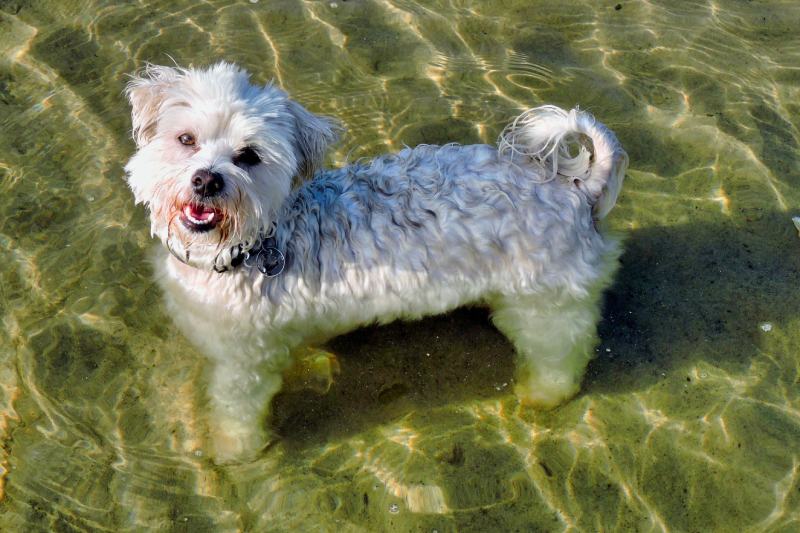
column 258, row 263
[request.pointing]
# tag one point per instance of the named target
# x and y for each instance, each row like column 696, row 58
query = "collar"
column 264, row 256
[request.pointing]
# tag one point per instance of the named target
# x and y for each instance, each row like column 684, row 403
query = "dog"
column 265, row 253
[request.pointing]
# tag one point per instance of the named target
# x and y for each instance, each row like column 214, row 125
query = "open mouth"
column 198, row 217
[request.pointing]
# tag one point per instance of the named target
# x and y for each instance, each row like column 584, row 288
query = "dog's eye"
column 246, row 156
column 186, row 139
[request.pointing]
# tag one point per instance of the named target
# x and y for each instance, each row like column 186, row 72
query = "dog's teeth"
column 207, row 217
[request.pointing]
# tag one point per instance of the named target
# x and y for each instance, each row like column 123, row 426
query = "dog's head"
column 217, row 157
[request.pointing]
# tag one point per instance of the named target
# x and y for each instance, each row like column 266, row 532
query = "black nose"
column 206, row 183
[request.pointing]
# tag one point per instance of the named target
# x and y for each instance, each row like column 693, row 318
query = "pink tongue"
column 199, row 212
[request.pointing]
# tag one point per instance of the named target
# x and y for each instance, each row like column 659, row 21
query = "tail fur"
column 548, row 136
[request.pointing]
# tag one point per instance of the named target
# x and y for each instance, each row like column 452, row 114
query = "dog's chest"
column 207, row 304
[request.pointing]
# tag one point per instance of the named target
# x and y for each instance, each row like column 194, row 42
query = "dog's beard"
column 198, row 253
column 236, row 231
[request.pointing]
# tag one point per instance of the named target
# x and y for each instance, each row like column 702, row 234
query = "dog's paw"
column 544, row 395
column 313, row 369
column 234, row 443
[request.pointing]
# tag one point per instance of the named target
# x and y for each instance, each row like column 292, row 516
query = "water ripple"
column 689, row 418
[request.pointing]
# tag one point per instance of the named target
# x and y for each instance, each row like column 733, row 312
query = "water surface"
column 689, row 418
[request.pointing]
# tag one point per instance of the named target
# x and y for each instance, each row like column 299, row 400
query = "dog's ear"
column 312, row 135
column 146, row 91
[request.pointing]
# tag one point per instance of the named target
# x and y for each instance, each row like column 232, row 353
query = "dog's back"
column 473, row 216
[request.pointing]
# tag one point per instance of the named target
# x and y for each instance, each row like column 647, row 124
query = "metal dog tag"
column 269, row 261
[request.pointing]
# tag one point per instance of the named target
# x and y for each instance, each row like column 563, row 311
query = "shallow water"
column 688, row 419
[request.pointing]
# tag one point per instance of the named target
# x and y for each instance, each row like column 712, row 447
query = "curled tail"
column 548, row 136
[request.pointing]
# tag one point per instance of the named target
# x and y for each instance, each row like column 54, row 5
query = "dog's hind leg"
column 554, row 337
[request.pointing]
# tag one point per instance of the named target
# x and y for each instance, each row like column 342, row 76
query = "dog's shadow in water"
column 696, row 292
column 686, row 293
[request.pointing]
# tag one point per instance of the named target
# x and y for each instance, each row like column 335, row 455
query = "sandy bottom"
column 689, row 418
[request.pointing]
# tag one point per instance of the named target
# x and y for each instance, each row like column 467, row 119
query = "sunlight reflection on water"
column 689, row 418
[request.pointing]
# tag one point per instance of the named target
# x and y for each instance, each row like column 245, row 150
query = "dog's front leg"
column 240, row 394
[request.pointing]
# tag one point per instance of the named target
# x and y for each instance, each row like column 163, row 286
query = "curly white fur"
column 406, row 235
